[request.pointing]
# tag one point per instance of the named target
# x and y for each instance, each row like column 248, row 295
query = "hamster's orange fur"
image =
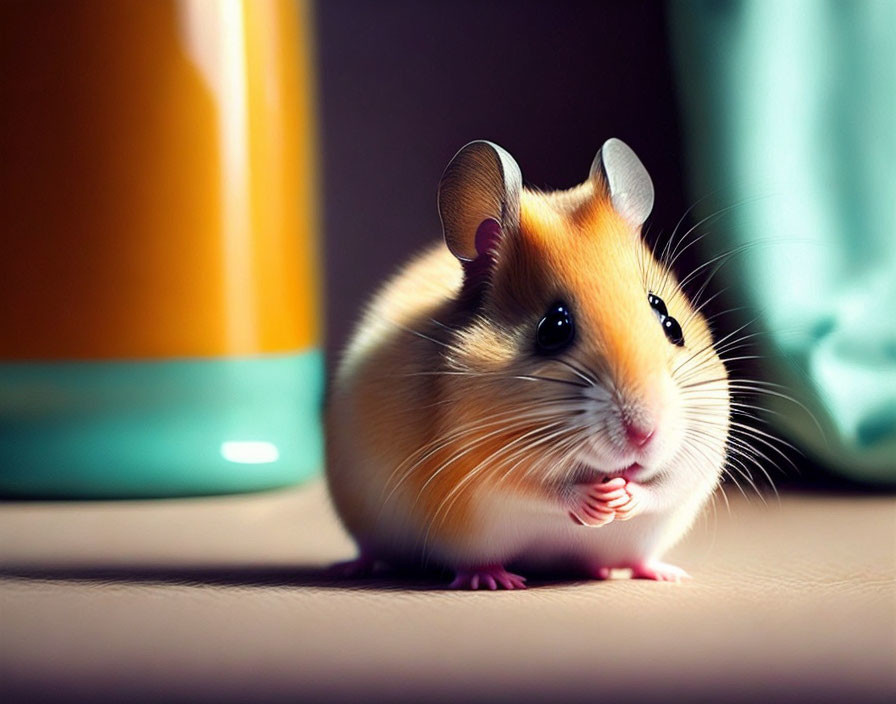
column 425, row 415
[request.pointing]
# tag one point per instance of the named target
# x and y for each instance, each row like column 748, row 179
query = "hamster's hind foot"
column 487, row 577
column 659, row 571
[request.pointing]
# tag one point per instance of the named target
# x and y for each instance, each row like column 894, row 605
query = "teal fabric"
column 790, row 119
column 159, row 428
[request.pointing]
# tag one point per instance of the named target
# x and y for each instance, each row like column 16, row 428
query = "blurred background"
column 197, row 198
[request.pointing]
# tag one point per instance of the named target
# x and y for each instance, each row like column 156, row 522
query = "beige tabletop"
column 223, row 599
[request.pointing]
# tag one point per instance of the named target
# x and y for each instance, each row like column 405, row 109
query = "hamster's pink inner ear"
column 477, row 271
column 479, row 199
column 488, row 234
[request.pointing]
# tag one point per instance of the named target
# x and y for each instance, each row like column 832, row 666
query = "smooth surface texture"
column 159, row 428
column 223, row 599
column 157, row 179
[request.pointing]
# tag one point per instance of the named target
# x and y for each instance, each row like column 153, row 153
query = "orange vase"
column 158, row 308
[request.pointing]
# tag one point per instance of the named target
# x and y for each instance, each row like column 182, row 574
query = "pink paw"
column 488, row 577
column 602, row 502
column 659, row 571
column 600, row 573
column 361, row 566
column 635, row 503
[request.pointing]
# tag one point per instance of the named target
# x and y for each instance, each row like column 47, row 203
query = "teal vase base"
column 148, row 429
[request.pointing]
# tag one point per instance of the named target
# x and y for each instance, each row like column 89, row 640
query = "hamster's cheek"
column 671, row 433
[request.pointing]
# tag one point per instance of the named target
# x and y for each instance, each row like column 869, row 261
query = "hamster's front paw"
column 596, row 504
column 635, row 503
column 600, row 503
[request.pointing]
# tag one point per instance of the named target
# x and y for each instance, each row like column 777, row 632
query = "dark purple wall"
column 405, row 84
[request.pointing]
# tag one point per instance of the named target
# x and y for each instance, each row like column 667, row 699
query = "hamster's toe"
column 634, row 505
column 487, row 577
column 597, row 504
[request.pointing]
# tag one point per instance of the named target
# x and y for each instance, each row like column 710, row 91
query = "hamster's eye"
column 670, row 324
column 556, row 330
column 657, row 304
column 673, row 331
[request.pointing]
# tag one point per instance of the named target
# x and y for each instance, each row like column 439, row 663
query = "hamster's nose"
column 638, row 434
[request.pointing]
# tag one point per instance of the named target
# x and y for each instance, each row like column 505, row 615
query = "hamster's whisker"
column 667, row 251
column 549, row 453
column 668, row 259
column 710, row 419
column 741, row 358
column 450, row 499
column 494, row 375
column 754, row 407
column 698, row 294
column 443, row 325
column 724, row 257
column 712, row 345
column 737, row 411
column 470, row 448
column 684, row 372
column 719, row 314
column 676, row 255
column 456, row 455
column 558, row 454
column 704, row 439
column 748, row 387
column 745, row 436
column 737, row 408
column 765, row 438
column 423, row 336
column 535, row 377
column 696, row 464
column 552, row 456
column 685, row 388
column 738, row 387
column 714, row 215
column 734, row 444
column 737, row 391
column 579, row 370
column 695, row 367
column 740, row 342
column 741, row 381
column 517, row 418
column 711, row 360
column 732, row 459
column 523, row 456
column 741, row 455
column 745, row 460
column 571, row 449
column 699, row 306
column 710, row 438
column 682, row 219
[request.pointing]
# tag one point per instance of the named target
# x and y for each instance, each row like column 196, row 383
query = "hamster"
column 535, row 393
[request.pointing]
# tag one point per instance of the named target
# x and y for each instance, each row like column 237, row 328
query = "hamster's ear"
column 479, row 199
column 624, row 179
